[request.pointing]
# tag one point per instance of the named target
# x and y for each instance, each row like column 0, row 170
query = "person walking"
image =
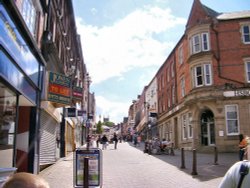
column 242, row 146
column 115, row 140
column 98, row 140
column 104, row 142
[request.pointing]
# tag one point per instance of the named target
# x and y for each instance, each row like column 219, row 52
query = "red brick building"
column 203, row 86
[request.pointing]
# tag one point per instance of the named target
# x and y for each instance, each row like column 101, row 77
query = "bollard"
column 194, row 172
column 215, row 156
column 172, row 149
column 182, row 158
column 86, row 172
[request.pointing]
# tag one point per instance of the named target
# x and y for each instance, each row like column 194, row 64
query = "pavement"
column 130, row 167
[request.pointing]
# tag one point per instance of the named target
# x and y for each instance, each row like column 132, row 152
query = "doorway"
column 207, row 128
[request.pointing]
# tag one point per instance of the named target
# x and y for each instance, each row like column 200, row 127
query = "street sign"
column 94, row 156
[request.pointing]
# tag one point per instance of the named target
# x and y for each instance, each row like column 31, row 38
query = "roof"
column 234, row 15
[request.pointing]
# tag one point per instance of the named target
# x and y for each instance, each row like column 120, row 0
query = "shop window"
column 232, row 121
column 184, row 127
column 7, row 125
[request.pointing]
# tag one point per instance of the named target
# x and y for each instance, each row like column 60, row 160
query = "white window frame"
column 247, row 66
column 205, row 75
column 172, row 69
column 245, row 35
column 173, row 94
column 230, row 119
column 200, row 42
column 190, row 126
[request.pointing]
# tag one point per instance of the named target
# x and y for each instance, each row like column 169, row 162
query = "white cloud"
column 114, row 110
column 113, row 50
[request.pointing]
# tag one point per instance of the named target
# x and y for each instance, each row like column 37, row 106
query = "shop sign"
column 81, row 113
column 59, row 88
column 237, row 93
column 77, row 93
column 71, row 112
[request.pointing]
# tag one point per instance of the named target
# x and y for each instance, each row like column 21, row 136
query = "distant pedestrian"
column 25, row 180
column 135, row 140
column 242, row 146
column 237, row 176
column 139, row 140
column 98, row 140
column 104, row 141
column 115, row 140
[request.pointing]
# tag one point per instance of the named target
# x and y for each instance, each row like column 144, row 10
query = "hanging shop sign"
column 59, row 88
column 71, row 112
column 77, row 93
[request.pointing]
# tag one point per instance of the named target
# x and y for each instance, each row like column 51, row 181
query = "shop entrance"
column 207, row 128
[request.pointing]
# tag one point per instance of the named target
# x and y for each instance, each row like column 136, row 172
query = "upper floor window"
column 202, row 75
column 199, row 42
column 180, row 54
column 232, row 122
column 248, row 70
column 246, row 34
column 173, row 94
column 182, row 86
column 29, row 15
column 172, row 69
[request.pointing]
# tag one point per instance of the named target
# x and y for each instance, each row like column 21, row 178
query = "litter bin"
column 5, row 173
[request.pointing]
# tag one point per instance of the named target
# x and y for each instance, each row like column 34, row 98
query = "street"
column 128, row 166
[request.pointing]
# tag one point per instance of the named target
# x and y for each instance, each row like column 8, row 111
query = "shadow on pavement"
column 206, row 168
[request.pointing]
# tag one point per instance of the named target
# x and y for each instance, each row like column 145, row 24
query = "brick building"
column 203, row 86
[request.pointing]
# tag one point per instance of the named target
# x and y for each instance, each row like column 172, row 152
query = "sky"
column 125, row 42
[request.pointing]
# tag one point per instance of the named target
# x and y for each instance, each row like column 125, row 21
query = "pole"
column 182, row 158
column 194, row 172
column 215, row 156
column 86, row 172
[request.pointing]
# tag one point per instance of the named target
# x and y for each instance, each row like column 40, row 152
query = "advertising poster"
column 94, row 158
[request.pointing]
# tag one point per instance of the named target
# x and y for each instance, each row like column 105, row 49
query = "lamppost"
column 147, row 106
column 88, row 111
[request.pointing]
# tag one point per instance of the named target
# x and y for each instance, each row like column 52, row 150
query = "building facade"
column 205, row 102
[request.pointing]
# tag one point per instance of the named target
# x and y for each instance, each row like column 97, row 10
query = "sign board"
column 59, row 88
column 71, row 112
column 95, row 167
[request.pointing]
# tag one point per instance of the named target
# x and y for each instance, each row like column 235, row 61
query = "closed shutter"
column 48, row 139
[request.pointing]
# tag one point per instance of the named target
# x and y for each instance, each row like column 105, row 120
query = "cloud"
column 114, row 110
column 111, row 51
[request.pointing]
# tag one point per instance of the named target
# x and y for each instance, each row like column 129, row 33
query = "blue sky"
column 125, row 42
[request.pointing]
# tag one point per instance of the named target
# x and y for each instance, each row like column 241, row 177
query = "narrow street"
column 128, row 166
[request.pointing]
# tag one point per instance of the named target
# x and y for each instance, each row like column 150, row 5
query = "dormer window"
column 199, row 43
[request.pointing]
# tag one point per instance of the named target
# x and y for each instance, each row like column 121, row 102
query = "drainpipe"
column 217, row 57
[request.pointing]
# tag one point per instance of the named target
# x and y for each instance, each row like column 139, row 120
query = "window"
column 173, row 94
column 184, row 127
column 29, row 15
column 232, row 122
column 248, row 71
column 190, row 127
column 202, row 75
column 199, row 42
column 182, row 86
column 180, row 54
column 172, row 69
column 246, row 34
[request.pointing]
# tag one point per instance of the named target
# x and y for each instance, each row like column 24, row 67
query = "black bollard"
column 86, row 172
column 194, row 172
column 182, row 158
column 215, row 156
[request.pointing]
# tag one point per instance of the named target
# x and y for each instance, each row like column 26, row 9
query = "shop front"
column 21, row 70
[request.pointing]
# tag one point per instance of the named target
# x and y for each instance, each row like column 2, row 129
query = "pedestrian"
column 104, row 141
column 242, row 146
column 25, row 180
column 115, row 140
column 139, row 140
column 237, row 176
column 98, row 140
column 135, row 139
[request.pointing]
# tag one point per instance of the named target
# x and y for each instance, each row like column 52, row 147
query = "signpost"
column 94, row 158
